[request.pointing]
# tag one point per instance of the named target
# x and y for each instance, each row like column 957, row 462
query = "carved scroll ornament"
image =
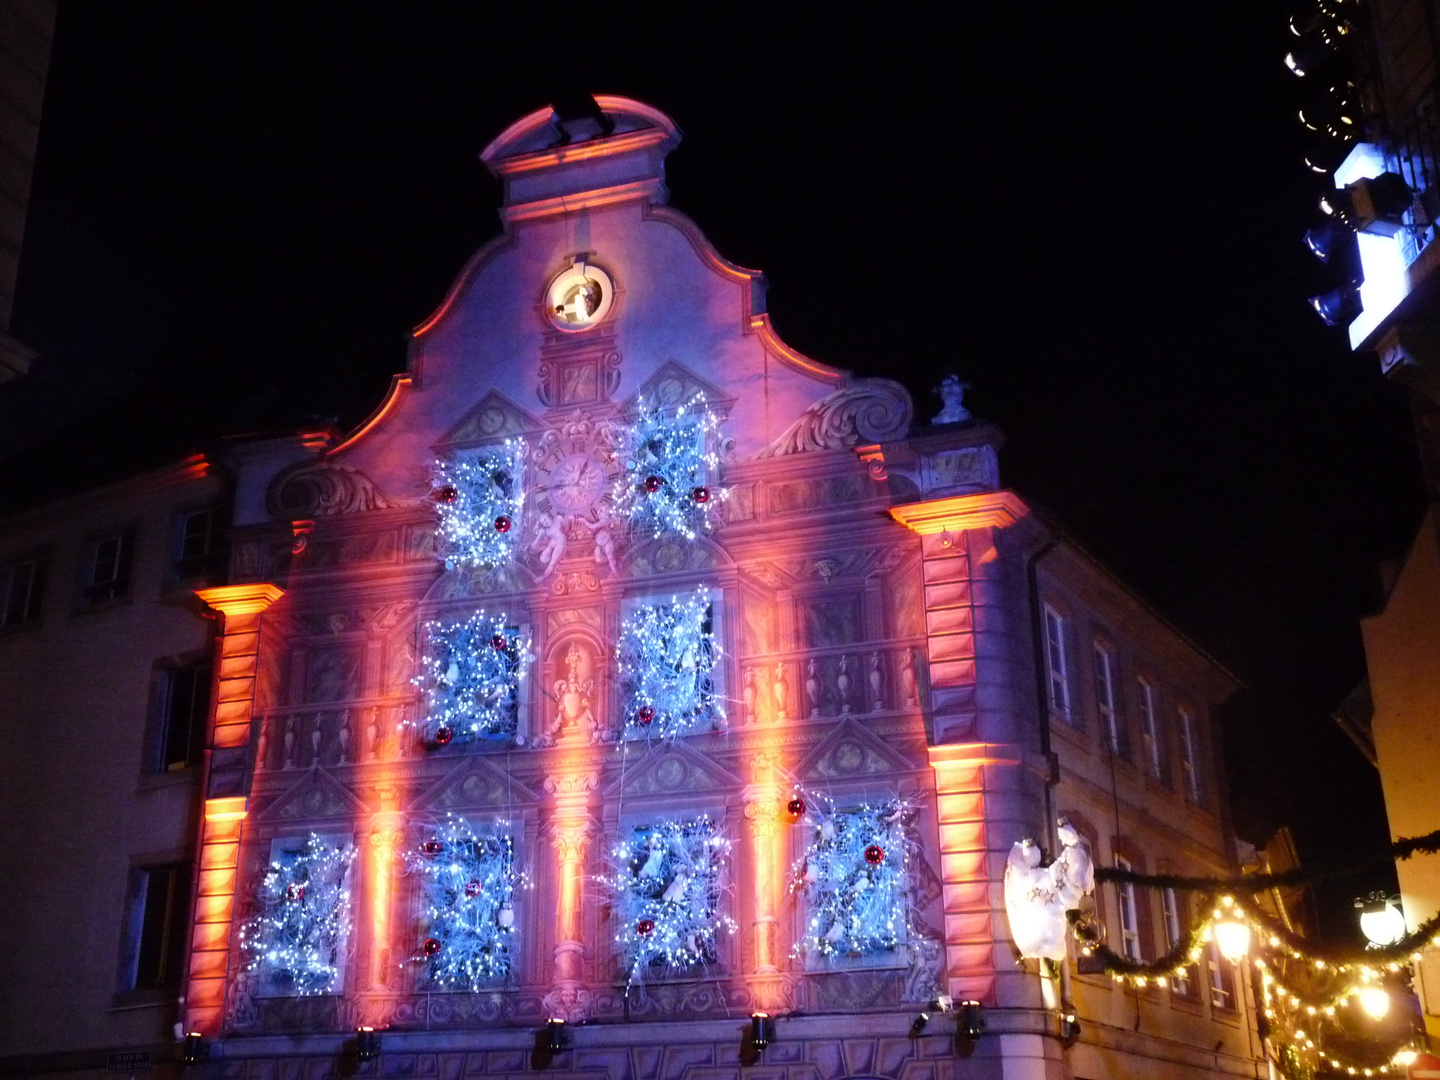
column 321, row 489
column 866, row 411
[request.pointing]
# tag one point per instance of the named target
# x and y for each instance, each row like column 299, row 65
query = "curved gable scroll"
column 314, row 489
column 866, row 411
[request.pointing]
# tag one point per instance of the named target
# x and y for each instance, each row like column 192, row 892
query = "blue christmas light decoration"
column 852, row 874
column 670, row 465
column 469, row 896
column 471, row 677
column 667, row 655
column 297, row 939
column 480, row 500
column 667, row 883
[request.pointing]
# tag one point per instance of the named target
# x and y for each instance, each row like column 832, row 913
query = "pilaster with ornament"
column 986, row 786
column 571, row 829
column 380, row 862
column 763, row 811
column 239, row 611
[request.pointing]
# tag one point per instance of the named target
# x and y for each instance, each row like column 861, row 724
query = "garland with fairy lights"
column 469, row 882
column 852, row 875
column 1285, row 1007
column 666, row 882
column 297, row 939
column 1402, row 849
column 666, row 656
column 479, row 500
column 471, row 678
column 668, row 463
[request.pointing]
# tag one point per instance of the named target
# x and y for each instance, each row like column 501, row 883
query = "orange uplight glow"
column 232, row 809
column 398, row 385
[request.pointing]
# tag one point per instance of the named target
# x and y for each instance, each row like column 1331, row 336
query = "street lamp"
column 1375, row 1001
column 1381, row 920
column 1232, row 932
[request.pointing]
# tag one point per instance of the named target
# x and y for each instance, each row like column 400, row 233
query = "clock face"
column 576, row 482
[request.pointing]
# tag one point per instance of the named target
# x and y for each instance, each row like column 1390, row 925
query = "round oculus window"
column 579, row 297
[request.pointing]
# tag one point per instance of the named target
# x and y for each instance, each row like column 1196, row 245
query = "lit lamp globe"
column 1375, row 1001
column 1232, row 938
column 1382, row 924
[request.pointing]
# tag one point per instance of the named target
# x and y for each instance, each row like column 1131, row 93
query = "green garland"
column 1087, row 935
column 1429, row 844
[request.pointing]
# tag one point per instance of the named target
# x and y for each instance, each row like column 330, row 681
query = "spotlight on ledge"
column 557, row 1036
column 917, row 1026
column 367, row 1043
column 1338, row 307
column 970, row 1021
column 194, row 1050
column 1069, row 1029
column 762, row 1030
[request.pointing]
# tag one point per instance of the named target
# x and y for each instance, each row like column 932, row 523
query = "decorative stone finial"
column 952, row 397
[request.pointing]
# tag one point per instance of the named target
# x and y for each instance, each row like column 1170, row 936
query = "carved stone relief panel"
column 370, row 547
column 332, row 673
column 831, row 620
column 972, row 468
column 794, row 496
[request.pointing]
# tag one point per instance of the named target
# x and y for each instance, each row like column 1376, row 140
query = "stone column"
column 976, row 750
column 571, row 829
column 227, row 770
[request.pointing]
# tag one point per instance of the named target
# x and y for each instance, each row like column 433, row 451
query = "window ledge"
column 151, row 781
column 149, row 998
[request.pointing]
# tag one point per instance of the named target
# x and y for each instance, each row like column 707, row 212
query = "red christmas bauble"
column 653, row 483
column 432, row 847
column 498, row 643
column 795, row 807
column 443, row 735
column 294, row 892
column 431, row 946
column 502, row 524
column 874, row 854
column 472, row 888
column 645, row 714
column 701, row 494
column 445, row 494
column 645, row 927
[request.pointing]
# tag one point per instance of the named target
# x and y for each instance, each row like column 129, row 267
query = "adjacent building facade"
column 625, row 675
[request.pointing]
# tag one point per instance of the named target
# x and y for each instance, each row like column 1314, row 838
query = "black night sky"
column 1093, row 212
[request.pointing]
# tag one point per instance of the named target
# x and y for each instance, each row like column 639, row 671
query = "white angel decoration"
column 1037, row 897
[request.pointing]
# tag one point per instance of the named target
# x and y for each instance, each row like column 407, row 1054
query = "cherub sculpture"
column 1037, row 896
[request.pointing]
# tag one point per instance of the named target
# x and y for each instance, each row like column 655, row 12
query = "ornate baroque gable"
column 313, row 489
column 866, row 411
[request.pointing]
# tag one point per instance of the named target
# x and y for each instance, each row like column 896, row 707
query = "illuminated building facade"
column 628, row 674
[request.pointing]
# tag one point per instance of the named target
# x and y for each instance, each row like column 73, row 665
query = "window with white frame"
column 1174, row 928
column 1055, row 660
column 22, row 590
column 1149, row 696
column 1129, row 913
column 108, row 573
column 1107, row 669
column 1190, row 756
column 154, row 946
column 200, row 552
column 1222, row 980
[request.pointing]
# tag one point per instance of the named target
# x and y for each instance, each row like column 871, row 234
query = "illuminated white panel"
column 1386, row 283
column 1364, row 162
